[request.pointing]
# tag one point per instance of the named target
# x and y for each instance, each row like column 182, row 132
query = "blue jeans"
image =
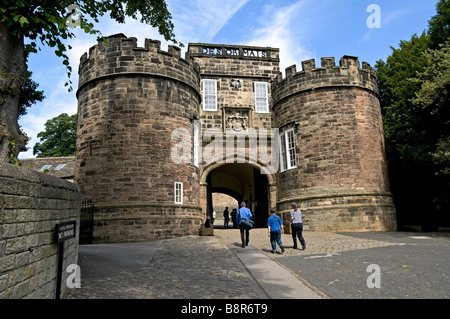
column 297, row 230
column 275, row 238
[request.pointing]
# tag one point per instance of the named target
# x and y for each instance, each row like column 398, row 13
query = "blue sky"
column 301, row 29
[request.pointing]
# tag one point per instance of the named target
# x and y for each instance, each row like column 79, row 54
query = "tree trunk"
column 12, row 77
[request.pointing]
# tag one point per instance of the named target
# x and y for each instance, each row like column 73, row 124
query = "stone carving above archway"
column 236, row 120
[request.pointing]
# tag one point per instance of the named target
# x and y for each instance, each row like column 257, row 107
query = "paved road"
column 412, row 265
column 191, row 267
column 416, row 266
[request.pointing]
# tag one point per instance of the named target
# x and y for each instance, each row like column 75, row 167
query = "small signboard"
column 65, row 231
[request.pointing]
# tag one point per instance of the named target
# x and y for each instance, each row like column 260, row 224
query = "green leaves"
column 59, row 137
column 51, row 22
column 414, row 84
column 23, row 21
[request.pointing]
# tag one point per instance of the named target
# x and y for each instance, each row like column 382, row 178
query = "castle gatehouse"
column 158, row 134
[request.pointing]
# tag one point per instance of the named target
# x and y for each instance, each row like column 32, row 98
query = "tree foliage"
column 403, row 121
column 29, row 95
column 439, row 24
column 433, row 97
column 414, row 83
column 48, row 21
column 59, row 137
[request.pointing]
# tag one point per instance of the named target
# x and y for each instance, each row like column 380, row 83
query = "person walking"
column 233, row 217
column 226, row 217
column 242, row 213
column 275, row 227
column 297, row 226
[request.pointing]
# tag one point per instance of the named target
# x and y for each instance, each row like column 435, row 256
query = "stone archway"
column 242, row 181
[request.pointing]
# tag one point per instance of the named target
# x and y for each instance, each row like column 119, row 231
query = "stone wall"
column 31, row 204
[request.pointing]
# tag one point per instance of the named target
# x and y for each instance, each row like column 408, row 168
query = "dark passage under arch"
column 243, row 182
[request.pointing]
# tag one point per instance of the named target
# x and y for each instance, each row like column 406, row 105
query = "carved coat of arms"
column 237, row 123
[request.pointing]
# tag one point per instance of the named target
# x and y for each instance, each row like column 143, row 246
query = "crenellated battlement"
column 119, row 55
column 348, row 73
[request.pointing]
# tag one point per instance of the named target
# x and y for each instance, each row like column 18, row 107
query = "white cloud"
column 387, row 20
column 390, row 17
column 201, row 20
column 280, row 29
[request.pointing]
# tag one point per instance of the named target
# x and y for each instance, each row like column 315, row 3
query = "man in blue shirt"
column 244, row 212
column 275, row 227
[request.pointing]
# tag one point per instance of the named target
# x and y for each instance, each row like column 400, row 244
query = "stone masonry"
column 31, row 204
column 138, row 109
column 341, row 178
column 130, row 101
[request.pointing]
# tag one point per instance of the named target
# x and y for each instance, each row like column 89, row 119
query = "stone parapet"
column 118, row 55
column 348, row 73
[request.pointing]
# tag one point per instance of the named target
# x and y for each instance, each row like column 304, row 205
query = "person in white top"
column 297, row 226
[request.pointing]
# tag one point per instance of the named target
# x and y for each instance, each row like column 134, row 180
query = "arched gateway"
column 242, row 181
column 139, row 106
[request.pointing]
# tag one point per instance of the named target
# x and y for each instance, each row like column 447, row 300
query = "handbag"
column 246, row 223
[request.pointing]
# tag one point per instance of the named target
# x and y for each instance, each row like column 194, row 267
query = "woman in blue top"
column 244, row 212
column 275, row 226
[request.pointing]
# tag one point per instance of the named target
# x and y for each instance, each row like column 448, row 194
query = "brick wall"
column 31, row 204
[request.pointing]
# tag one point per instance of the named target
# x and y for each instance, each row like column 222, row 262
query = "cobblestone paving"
column 190, row 267
column 203, row 267
column 316, row 242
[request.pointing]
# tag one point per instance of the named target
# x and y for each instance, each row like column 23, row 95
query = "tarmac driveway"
column 416, row 266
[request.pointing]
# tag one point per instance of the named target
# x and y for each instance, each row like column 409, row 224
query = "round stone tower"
column 339, row 176
column 133, row 106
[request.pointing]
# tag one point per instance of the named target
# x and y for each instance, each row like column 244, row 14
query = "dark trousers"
column 275, row 238
column 247, row 233
column 297, row 230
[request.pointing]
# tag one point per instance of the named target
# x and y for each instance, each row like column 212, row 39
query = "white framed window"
column 282, row 153
column 261, row 97
column 178, row 188
column 290, row 149
column 209, row 95
column 288, row 157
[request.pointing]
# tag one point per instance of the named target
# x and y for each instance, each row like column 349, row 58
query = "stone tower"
column 339, row 174
column 130, row 101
